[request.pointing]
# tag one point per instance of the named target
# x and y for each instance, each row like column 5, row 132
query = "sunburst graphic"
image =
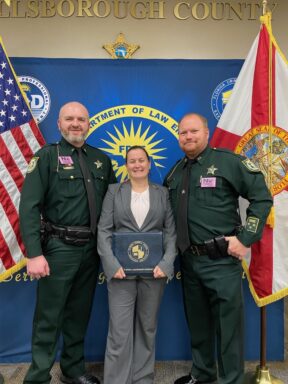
column 122, row 141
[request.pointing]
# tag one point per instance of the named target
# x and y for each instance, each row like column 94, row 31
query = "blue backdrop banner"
column 130, row 102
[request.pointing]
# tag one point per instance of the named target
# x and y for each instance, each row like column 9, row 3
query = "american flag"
column 20, row 138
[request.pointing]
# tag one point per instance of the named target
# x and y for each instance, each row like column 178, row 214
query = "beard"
column 72, row 139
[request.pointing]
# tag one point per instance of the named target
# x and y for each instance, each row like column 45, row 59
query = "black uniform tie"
column 89, row 189
column 183, row 240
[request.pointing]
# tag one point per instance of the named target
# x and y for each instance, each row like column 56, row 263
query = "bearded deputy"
column 204, row 190
column 62, row 194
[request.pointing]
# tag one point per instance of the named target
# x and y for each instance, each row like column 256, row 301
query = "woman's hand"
column 120, row 274
column 158, row 273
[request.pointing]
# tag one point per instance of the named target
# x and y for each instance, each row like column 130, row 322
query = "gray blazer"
column 117, row 216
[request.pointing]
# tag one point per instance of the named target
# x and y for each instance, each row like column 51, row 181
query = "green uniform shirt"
column 54, row 188
column 217, row 179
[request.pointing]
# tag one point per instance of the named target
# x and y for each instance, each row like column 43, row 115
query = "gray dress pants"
column 130, row 349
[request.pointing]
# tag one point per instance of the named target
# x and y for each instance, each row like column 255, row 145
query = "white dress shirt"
column 140, row 204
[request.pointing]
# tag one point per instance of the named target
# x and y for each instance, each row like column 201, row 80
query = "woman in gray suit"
column 134, row 206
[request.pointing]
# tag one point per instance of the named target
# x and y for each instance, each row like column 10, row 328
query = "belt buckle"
column 195, row 250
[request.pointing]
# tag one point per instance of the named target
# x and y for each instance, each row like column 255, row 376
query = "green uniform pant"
column 213, row 303
column 64, row 303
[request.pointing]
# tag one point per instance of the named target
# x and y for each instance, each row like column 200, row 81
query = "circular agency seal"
column 123, row 126
column 221, row 96
column 138, row 251
column 255, row 144
column 37, row 95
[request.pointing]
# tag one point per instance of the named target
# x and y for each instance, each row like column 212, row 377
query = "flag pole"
column 262, row 374
column 264, row 7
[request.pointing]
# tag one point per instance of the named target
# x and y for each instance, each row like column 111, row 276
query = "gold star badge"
column 120, row 49
column 98, row 164
column 211, row 170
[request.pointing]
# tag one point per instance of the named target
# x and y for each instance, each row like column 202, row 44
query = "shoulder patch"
column 252, row 224
column 250, row 165
column 32, row 164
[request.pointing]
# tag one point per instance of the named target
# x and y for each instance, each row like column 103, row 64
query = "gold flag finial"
column 264, row 7
column 7, row 2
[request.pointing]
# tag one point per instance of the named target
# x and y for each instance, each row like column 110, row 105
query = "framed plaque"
column 138, row 252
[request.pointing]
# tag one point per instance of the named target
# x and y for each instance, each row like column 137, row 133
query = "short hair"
column 71, row 103
column 136, row 147
column 201, row 117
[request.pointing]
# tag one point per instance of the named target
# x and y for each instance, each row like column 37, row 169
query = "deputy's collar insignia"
column 120, row 49
column 32, row 164
column 98, row 164
column 211, row 170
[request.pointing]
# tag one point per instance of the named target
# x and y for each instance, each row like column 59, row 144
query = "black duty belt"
column 73, row 235
column 78, row 232
column 198, row 250
column 215, row 248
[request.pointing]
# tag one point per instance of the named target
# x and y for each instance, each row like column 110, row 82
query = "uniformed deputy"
column 212, row 180
column 57, row 188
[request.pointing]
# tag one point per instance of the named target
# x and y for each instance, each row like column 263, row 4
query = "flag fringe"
column 261, row 302
column 12, row 270
column 271, row 218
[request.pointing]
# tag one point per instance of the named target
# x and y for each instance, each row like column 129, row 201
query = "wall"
column 77, row 28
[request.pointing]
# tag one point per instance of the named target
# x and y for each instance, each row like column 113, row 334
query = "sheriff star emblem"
column 98, row 164
column 211, row 170
column 120, row 49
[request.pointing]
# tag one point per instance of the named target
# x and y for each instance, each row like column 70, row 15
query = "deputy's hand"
column 120, row 274
column 38, row 267
column 236, row 248
column 158, row 273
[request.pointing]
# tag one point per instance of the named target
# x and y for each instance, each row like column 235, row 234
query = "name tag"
column 208, row 182
column 67, row 160
column 68, row 167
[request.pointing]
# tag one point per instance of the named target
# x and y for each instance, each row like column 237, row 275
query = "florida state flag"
column 255, row 124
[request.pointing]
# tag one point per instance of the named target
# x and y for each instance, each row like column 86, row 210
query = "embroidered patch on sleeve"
column 252, row 224
column 250, row 165
column 32, row 164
